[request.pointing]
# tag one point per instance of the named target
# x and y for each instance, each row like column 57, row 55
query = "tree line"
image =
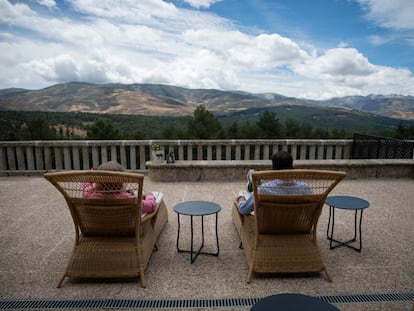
column 201, row 125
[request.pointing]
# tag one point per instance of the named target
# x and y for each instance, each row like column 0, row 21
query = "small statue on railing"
column 170, row 156
column 157, row 153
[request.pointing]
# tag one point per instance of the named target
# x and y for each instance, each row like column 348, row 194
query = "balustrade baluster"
column 228, row 152
column 3, row 159
column 180, row 153
column 20, row 158
column 238, row 152
column 104, row 154
column 266, row 151
column 199, row 152
column 218, row 151
column 95, row 156
column 75, row 158
column 11, row 158
column 294, row 151
column 122, row 152
column 347, row 152
column 142, row 156
column 114, row 154
column 48, row 163
column 85, row 158
column 58, row 158
column 338, row 152
column 190, row 152
column 35, row 156
column 256, row 152
column 321, row 151
column 303, row 152
column 132, row 158
column 209, row 153
column 30, row 158
column 329, row 152
column 67, row 163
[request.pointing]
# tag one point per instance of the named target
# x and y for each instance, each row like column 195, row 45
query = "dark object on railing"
column 375, row 147
column 171, row 157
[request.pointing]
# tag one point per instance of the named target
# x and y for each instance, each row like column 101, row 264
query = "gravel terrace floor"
column 36, row 237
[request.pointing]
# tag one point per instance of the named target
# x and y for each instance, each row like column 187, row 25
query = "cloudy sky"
column 313, row 49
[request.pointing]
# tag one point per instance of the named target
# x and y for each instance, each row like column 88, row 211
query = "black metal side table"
column 197, row 208
column 346, row 203
column 293, row 302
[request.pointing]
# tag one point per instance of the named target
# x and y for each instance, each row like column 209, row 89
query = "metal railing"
column 39, row 156
column 376, row 147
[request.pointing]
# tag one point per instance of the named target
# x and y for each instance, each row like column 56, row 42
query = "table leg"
column 360, row 230
column 329, row 223
column 202, row 232
column 198, row 252
column 178, row 233
column 217, row 240
column 346, row 243
column 194, row 254
column 192, row 240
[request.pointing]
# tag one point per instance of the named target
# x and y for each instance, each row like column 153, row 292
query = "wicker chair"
column 112, row 238
column 281, row 236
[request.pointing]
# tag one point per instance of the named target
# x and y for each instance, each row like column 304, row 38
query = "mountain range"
column 167, row 100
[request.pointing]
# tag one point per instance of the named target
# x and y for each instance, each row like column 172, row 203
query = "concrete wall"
column 236, row 170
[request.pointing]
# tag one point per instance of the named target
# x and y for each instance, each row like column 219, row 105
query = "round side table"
column 347, row 203
column 292, row 302
column 197, row 208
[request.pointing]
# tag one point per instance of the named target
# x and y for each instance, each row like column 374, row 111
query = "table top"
column 292, row 302
column 197, row 208
column 347, row 202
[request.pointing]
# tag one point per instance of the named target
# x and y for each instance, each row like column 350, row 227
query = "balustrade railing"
column 39, row 156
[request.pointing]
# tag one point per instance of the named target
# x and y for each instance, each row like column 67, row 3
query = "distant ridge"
column 167, row 100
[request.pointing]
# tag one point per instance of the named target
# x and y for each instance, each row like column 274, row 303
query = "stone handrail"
column 29, row 157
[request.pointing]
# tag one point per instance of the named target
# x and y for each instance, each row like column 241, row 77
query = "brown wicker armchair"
column 112, row 238
column 281, row 236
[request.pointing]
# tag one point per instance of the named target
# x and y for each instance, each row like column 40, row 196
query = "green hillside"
column 13, row 124
column 150, row 111
column 321, row 117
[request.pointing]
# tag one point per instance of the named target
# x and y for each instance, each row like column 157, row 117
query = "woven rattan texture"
column 112, row 239
column 281, row 235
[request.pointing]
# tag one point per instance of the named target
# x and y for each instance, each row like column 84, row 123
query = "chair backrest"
column 101, row 202
column 291, row 201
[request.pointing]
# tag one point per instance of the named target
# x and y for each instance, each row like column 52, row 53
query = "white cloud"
column 253, row 52
column 201, row 3
column 380, row 40
column 344, row 71
column 153, row 41
column 130, row 11
column 336, row 63
column 201, row 70
column 15, row 13
column 395, row 14
column 63, row 30
column 59, row 69
column 212, row 56
column 48, row 3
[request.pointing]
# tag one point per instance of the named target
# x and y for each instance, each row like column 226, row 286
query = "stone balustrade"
column 31, row 157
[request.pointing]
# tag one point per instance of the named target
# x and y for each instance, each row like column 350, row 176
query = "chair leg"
column 142, row 277
column 328, row 275
column 249, row 275
column 59, row 285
